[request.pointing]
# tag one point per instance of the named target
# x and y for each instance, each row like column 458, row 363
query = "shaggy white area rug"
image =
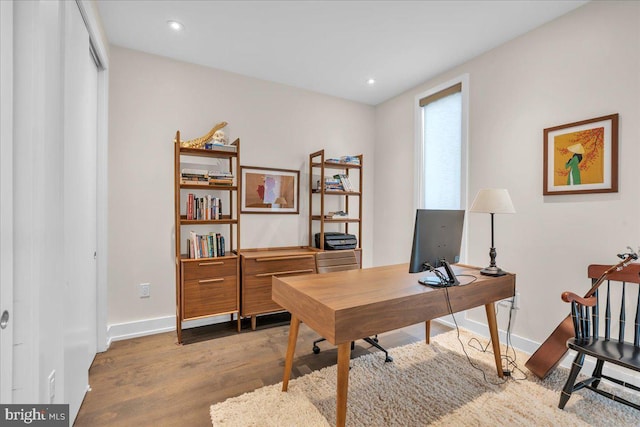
column 425, row 385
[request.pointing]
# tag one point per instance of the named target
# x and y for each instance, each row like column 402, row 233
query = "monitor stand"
column 444, row 278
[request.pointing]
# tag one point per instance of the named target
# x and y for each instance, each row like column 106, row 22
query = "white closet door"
column 80, row 124
column 6, row 202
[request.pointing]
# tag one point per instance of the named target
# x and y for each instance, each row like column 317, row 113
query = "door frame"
column 99, row 47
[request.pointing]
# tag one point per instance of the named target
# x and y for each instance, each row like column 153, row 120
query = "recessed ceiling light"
column 371, row 82
column 175, row 25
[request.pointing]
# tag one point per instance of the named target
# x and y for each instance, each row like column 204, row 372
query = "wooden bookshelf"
column 318, row 197
column 207, row 286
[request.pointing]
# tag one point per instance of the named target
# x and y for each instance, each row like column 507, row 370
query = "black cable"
column 444, row 281
column 510, row 364
column 473, row 365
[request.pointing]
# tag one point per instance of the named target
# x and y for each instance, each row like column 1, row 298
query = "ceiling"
column 331, row 47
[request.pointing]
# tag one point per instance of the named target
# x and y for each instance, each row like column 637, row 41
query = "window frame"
column 419, row 184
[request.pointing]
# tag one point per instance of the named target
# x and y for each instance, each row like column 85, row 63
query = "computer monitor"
column 437, row 237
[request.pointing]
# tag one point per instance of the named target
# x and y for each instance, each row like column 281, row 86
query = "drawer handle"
column 203, row 264
column 284, row 258
column 279, row 273
column 219, row 279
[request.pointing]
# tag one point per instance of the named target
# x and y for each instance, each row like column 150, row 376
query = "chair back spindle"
column 595, row 317
column 623, row 316
column 607, row 314
column 581, row 316
column 636, row 329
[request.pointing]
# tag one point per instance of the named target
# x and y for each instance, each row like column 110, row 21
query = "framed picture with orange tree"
column 581, row 157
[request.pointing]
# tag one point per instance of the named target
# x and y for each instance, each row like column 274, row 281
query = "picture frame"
column 269, row 191
column 581, row 157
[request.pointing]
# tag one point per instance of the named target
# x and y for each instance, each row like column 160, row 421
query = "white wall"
column 279, row 126
column 583, row 65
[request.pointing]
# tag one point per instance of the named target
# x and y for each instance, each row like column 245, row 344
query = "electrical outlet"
column 145, row 290
column 52, row 386
column 511, row 303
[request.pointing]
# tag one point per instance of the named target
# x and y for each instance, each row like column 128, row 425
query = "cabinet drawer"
column 205, row 297
column 268, row 266
column 209, row 268
column 256, row 296
column 257, row 275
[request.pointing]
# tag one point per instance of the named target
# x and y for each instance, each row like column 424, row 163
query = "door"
column 80, row 141
column 6, row 203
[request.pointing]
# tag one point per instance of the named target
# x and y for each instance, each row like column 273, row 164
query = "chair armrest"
column 570, row 297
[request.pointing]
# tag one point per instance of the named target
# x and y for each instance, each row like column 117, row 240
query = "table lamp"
column 493, row 201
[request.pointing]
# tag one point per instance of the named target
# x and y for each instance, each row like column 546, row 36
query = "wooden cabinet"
column 323, row 200
column 207, row 284
column 259, row 266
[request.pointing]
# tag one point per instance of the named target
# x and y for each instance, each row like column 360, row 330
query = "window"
column 441, row 147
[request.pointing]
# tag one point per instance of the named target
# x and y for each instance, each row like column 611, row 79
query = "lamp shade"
column 493, row 200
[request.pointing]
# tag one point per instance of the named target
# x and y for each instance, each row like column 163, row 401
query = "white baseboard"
column 141, row 328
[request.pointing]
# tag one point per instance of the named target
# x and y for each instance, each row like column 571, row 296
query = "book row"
column 339, row 182
column 204, row 177
column 203, row 208
column 205, row 245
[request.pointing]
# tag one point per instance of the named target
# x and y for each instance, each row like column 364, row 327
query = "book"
column 344, row 180
column 333, row 184
column 350, row 160
column 190, row 206
column 193, row 237
column 220, row 181
column 220, row 147
column 194, row 180
column 336, row 215
column 195, row 172
column 219, row 174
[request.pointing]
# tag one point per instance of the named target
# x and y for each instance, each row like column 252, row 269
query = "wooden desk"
column 348, row 305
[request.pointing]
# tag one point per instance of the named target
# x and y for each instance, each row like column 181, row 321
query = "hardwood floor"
column 152, row 381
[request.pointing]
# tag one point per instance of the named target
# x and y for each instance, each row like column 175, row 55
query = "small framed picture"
column 266, row 190
column 581, row 157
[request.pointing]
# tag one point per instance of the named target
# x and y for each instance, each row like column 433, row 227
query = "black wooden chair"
column 602, row 310
column 329, row 261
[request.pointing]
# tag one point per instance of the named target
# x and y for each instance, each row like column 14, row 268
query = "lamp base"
column 493, row 271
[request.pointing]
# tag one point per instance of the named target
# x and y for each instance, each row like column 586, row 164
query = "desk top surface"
column 331, row 303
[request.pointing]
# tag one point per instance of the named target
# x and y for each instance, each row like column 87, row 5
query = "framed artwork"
column 265, row 190
column 581, row 157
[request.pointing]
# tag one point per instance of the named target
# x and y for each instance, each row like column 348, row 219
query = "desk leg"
column 344, row 354
column 495, row 340
column 291, row 349
column 427, row 331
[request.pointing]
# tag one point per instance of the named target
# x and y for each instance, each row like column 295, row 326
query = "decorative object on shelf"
column 200, row 142
column 220, row 138
column 266, row 190
column 493, row 201
column 581, row 157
